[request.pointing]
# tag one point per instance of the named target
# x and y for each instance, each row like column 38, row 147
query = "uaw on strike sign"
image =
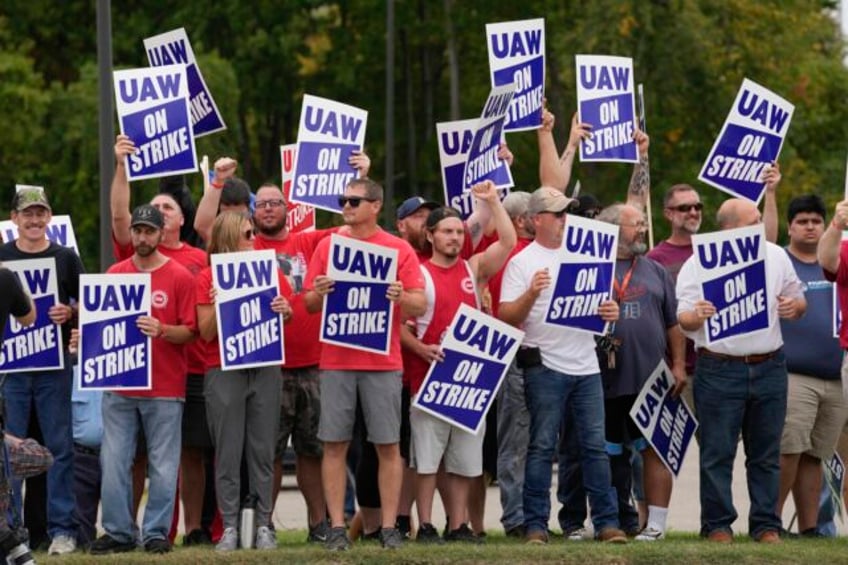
column 37, row 347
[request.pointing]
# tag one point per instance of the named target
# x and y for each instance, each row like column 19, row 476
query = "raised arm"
column 831, row 242
column 207, row 209
column 556, row 171
column 490, row 261
column 771, row 177
column 639, row 191
column 119, row 193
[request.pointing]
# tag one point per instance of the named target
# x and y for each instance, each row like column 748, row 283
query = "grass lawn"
column 677, row 548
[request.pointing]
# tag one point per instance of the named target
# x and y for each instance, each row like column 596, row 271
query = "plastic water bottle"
column 247, row 524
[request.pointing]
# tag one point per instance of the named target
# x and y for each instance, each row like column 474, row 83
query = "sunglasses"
column 248, row 234
column 698, row 206
column 354, row 201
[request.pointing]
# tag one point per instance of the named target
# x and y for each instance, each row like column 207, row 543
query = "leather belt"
column 747, row 359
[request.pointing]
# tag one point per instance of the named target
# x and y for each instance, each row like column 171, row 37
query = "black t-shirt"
column 68, row 270
column 14, row 300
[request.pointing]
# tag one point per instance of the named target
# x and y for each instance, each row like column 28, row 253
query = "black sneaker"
column 808, row 533
column 318, row 533
column 462, row 534
column 372, row 536
column 404, row 526
column 106, row 544
column 197, row 537
column 390, row 538
column 157, row 545
column 337, row 540
column 516, row 532
column 428, row 533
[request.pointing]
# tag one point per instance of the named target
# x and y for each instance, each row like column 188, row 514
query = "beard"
column 638, row 248
column 144, row 250
column 271, row 229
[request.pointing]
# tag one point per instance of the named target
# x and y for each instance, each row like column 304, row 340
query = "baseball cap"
column 548, row 199
column 147, row 215
column 29, row 197
column 588, row 206
column 516, row 203
column 440, row 214
column 412, row 205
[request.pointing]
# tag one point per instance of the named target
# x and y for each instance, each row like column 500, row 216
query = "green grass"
column 677, row 548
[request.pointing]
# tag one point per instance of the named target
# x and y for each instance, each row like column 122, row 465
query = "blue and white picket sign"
column 585, row 276
column 153, row 111
column 39, row 346
column 482, row 162
column 666, row 422
column 731, row 265
column 836, row 312
column 454, row 140
column 517, row 55
column 750, row 140
column 114, row 353
column 329, row 131
column 834, row 476
column 60, row 230
column 172, row 48
column 357, row 313
column 605, row 100
column 250, row 334
column 460, row 389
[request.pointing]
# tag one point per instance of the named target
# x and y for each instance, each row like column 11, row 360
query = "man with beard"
column 48, row 391
column 450, row 282
column 300, row 401
column 158, row 410
column 646, row 327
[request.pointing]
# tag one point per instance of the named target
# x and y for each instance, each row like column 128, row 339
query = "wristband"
column 216, row 185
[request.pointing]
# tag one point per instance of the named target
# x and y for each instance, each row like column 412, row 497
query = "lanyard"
column 621, row 289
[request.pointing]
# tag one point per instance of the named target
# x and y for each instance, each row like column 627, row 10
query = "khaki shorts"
column 377, row 391
column 816, row 412
column 434, row 440
column 300, row 412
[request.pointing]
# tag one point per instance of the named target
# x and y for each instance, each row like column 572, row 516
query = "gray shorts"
column 434, row 440
column 379, row 393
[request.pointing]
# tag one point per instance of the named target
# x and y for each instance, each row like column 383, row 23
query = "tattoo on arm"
column 475, row 230
column 641, row 180
column 565, row 155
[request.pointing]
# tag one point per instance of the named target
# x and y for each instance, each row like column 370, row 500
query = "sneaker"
column 462, row 534
column 106, row 544
column 428, row 533
column 229, row 540
column 650, row 533
column 197, row 537
column 337, row 540
column 266, row 538
column 515, row 532
column 404, row 526
column 808, row 533
column 720, row 536
column 157, row 545
column 390, row 538
column 536, row 537
column 62, row 545
column 577, row 534
column 611, row 534
column 318, row 532
column 372, row 536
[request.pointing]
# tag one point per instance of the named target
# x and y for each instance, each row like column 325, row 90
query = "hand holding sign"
column 124, row 147
column 704, row 310
column 323, row 285
column 788, row 308
column 149, row 326
column 395, row 291
column 642, row 141
column 281, row 306
column 60, row 313
column 608, row 311
column 771, row 176
column 360, row 161
column 579, row 131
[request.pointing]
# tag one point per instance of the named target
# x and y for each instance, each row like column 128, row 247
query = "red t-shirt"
column 408, row 272
column 301, row 333
column 193, row 259
column 841, row 280
column 446, row 289
column 172, row 303
column 203, row 283
column 496, row 281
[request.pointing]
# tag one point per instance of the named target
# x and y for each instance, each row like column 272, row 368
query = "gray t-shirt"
column 647, row 309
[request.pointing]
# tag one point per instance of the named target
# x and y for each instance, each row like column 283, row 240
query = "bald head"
column 737, row 213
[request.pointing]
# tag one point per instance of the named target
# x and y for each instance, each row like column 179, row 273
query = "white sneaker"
column 229, row 540
column 62, row 545
column 266, row 538
column 650, row 533
column 576, row 535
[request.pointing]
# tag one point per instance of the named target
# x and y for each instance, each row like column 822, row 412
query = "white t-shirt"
column 781, row 280
column 563, row 349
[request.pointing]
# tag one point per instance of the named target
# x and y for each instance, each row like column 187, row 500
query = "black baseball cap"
column 147, row 215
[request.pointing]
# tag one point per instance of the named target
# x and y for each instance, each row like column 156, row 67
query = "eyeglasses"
column 259, row 204
column 684, row 208
column 248, row 234
column 354, row 201
column 638, row 225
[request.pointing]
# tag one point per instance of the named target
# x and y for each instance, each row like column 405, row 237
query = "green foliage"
column 259, row 58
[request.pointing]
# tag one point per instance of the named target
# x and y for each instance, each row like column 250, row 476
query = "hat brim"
column 146, row 223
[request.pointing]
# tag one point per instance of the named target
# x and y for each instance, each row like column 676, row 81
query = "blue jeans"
column 161, row 420
column 570, row 493
column 51, row 393
column 513, row 432
column 730, row 397
column 549, row 394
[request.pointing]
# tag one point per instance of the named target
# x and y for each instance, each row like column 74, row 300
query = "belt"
column 747, row 359
column 86, row 450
